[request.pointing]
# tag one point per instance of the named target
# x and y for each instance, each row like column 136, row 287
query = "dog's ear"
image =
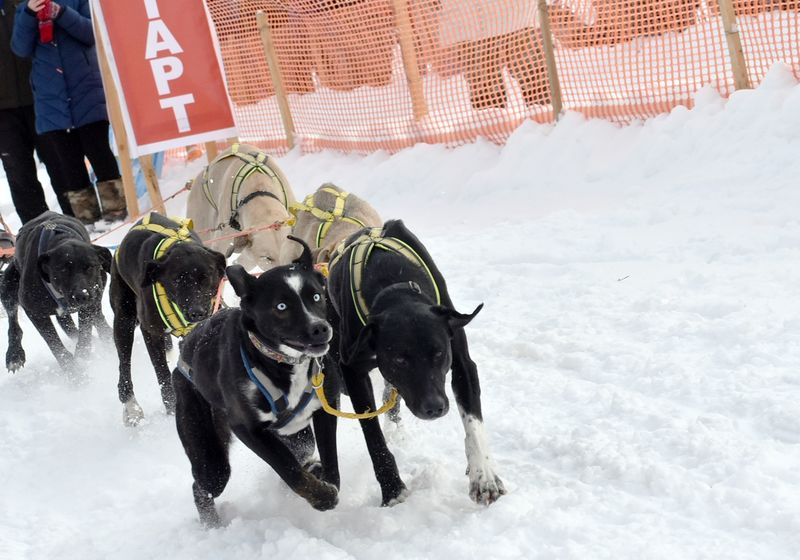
column 151, row 270
column 305, row 260
column 105, row 257
column 455, row 319
column 242, row 282
column 43, row 264
column 364, row 344
column 219, row 262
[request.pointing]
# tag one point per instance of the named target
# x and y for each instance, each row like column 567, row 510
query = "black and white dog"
column 248, row 371
column 55, row 271
column 164, row 279
column 393, row 311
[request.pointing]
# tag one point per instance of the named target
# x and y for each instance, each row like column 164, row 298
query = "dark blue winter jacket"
column 67, row 87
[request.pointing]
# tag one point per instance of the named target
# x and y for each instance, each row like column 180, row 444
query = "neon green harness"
column 360, row 251
column 174, row 321
column 327, row 217
column 253, row 162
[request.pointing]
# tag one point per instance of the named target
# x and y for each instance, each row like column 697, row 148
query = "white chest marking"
column 297, row 387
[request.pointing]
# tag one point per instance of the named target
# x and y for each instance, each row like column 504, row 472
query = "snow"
column 638, row 354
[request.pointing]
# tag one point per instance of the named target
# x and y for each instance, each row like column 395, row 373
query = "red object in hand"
column 45, row 23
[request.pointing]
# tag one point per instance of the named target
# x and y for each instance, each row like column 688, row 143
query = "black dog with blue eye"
column 248, row 371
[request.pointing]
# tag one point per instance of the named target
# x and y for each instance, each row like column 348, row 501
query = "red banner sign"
column 166, row 64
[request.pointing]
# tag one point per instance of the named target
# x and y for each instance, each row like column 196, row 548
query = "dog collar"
column 272, row 353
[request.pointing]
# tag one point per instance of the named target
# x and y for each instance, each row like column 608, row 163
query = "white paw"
column 132, row 413
column 485, row 487
column 401, row 497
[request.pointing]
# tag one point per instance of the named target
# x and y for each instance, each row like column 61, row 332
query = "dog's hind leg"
column 360, row 388
column 205, row 440
column 100, row 323
column 67, row 325
column 9, row 290
column 123, row 301
column 394, row 412
column 158, row 356
column 484, row 485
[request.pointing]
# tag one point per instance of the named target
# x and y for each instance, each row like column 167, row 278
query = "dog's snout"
column 320, row 332
column 196, row 314
column 434, row 407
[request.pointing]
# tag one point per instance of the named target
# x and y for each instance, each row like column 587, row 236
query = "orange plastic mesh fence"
column 364, row 75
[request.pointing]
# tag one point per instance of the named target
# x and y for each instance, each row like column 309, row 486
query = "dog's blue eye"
column 317, row 297
column 281, row 306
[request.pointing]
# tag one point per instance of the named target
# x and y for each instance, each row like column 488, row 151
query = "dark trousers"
column 17, row 143
column 72, row 146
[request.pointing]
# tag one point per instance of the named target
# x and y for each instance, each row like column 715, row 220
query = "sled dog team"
column 276, row 366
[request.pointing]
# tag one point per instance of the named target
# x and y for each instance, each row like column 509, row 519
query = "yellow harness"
column 360, row 251
column 174, row 321
column 252, row 162
column 327, row 217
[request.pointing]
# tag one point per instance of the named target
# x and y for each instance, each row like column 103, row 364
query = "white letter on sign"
column 165, row 70
column 152, row 9
column 178, row 105
column 159, row 38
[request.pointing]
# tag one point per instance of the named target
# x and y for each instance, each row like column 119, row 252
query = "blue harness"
column 279, row 405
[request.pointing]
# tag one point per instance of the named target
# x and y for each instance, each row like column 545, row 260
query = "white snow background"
column 638, row 352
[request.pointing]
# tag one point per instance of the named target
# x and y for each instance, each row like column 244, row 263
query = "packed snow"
column 638, row 351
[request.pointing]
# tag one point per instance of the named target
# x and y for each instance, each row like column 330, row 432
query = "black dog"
column 393, row 311
column 60, row 272
column 248, row 371
column 164, row 279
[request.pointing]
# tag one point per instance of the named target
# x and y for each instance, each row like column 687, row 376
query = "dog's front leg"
column 67, row 325
column 85, row 321
column 100, row 323
column 321, row 495
column 9, row 290
column 485, row 486
column 359, row 387
column 45, row 326
column 325, row 433
column 158, row 356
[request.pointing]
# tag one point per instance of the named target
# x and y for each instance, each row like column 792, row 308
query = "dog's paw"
column 15, row 359
column 394, row 495
column 132, row 413
column 485, row 487
column 321, row 495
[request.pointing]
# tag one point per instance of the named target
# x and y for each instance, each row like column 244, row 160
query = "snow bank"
column 638, row 352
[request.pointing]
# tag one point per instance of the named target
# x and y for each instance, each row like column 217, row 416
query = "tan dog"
column 327, row 217
column 242, row 189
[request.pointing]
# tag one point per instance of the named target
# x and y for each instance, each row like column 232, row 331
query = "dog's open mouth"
column 313, row 350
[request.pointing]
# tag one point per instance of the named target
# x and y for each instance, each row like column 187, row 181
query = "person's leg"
column 73, row 179
column 94, row 141
column 16, row 152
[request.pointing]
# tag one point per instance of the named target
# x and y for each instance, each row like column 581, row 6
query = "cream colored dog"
column 327, row 217
column 240, row 190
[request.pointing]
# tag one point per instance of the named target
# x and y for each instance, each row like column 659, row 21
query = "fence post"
column 405, row 34
column 151, row 182
column 550, row 59
column 277, row 77
column 738, row 65
column 120, row 136
column 211, row 151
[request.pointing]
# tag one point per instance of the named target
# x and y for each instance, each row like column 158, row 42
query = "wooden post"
column 117, row 124
column 405, row 35
column 151, row 182
column 211, row 151
column 550, row 59
column 738, row 65
column 277, row 77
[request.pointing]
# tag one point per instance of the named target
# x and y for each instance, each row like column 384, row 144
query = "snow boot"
column 84, row 205
column 112, row 198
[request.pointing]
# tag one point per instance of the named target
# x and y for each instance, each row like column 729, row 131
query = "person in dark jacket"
column 18, row 138
column 69, row 100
